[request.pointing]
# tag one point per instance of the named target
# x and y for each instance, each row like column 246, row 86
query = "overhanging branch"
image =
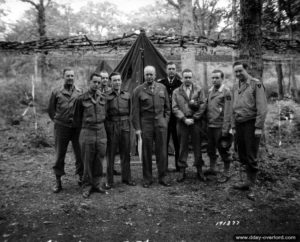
column 76, row 43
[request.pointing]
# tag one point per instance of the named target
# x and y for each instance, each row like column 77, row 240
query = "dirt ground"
column 192, row 211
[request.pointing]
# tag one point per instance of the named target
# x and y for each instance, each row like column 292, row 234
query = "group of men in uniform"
column 98, row 122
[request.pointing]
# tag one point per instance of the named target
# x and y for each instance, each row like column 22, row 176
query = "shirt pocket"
column 124, row 103
column 162, row 97
column 248, row 98
column 62, row 101
column 88, row 110
column 146, row 100
column 101, row 110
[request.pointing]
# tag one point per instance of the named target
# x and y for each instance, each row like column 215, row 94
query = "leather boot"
column 252, row 177
column 79, row 181
column 226, row 175
column 249, row 183
column 200, row 175
column 97, row 186
column 212, row 169
column 58, row 186
column 182, row 175
column 87, row 191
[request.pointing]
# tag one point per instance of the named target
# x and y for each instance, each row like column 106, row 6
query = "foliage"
column 281, row 16
column 208, row 16
column 99, row 18
column 25, row 29
column 2, row 14
column 158, row 18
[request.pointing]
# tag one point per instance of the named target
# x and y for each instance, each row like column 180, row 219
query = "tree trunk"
column 279, row 79
column 294, row 88
column 186, row 17
column 234, row 20
column 251, row 36
column 205, row 85
column 234, row 29
column 42, row 36
column 188, row 56
column 289, row 86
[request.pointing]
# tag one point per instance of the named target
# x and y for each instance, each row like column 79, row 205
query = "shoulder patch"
column 259, row 85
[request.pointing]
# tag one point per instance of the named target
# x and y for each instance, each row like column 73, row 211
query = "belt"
column 118, row 118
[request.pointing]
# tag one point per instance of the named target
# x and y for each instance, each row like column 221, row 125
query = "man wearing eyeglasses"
column 171, row 83
column 188, row 105
column 90, row 114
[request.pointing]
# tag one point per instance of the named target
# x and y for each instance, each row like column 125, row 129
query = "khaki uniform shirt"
column 61, row 105
column 118, row 105
column 219, row 108
column 148, row 105
column 90, row 112
column 249, row 102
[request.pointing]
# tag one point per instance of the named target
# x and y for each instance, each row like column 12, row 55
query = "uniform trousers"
column 93, row 149
column 172, row 131
column 214, row 135
column 247, row 144
column 63, row 135
column 118, row 138
column 158, row 135
column 186, row 132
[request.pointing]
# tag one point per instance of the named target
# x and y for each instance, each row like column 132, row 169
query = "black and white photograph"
column 149, row 120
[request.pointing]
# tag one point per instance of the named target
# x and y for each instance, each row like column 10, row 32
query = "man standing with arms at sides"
column 118, row 130
column 249, row 114
column 219, row 110
column 150, row 116
column 188, row 105
column 171, row 83
column 60, row 110
column 105, row 89
column 90, row 113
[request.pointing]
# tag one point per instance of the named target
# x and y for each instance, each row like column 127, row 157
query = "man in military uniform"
column 90, row 113
column 171, row 83
column 188, row 105
column 60, row 110
column 118, row 130
column 150, row 116
column 249, row 113
column 104, row 82
column 105, row 89
column 219, row 110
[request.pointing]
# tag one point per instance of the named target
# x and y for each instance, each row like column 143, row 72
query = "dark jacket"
column 61, row 105
column 181, row 103
column 249, row 102
column 148, row 106
column 176, row 82
column 90, row 113
column 219, row 108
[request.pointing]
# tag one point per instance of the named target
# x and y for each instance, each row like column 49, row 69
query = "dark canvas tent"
column 103, row 65
column 141, row 54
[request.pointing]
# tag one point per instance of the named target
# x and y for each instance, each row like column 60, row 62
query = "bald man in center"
column 150, row 117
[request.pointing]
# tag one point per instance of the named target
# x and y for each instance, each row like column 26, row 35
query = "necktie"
column 188, row 91
column 152, row 88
